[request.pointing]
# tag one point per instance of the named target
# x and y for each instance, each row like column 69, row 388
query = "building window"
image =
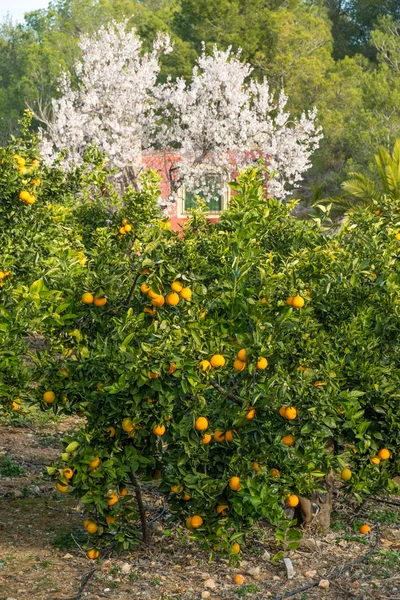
column 216, row 205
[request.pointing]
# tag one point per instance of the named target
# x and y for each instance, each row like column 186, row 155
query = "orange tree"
column 237, row 363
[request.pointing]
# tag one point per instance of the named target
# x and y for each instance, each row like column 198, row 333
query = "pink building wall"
column 162, row 163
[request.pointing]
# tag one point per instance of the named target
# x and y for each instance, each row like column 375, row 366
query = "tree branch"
column 225, row 392
column 142, row 512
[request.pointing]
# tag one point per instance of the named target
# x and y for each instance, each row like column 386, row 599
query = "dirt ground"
column 40, row 533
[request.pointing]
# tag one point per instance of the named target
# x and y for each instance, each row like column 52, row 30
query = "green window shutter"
column 214, row 205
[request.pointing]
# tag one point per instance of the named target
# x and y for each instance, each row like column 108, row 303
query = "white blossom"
column 111, row 106
column 222, row 121
column 219, row 122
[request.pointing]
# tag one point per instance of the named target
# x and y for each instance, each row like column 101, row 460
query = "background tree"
column 319, row 51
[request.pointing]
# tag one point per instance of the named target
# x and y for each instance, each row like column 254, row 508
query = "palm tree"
column 360, row 190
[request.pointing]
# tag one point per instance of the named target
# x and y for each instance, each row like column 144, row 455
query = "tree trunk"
column 318, row 509
column 142, row 512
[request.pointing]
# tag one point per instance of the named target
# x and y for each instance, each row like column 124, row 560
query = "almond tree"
column 111, row 106
column 223, row 120
column 219, row 122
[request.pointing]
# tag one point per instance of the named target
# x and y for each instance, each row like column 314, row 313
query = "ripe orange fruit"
column 24, row 196
column 153, row 375
column 15, row 405
column 152, row 294
column 172, row 299
column 238, row 579
column 398, row 236
column 282, row 411
column 217, row 360
column 291, row 413
column 99, row 301
column 124, row 492
column 128, row 425
column 151, row 311
column 159, row 430
column 176, row 489
column 186, row 497
column 128, row 228
column 242, row 355
column 219, row 436
column 365, row 529
column 251, row 414
column 87, row 298
column 235, row 548
column 375, row 460
column 150, row 401
column 289, row 301
column 201, row 424
column 189, row 523
column 229, row 436
column 256, row 467
column 292, row 500
column 68, row 473
column 197, row 521
column 111, row 431
column 186, row 293
column 122, row 230
column 49, row 397
column 36, row 182
column 346, row 474
column 158, row 301
column 61, row 487
column 206, row 438
column 172, row 368
column 93, row 554
column 288, row 440
column 20, row 160
column 92, row 527
column 222, row 509
column 298, row 302
column 95, row 463
column 110, row 520
column 234, row 484
column 205, row 365
column 275, row 473
column 239, row 365
column 176, row 286
column 262, row 363
column 112, row 499
column 144, row 288
column 384, row 454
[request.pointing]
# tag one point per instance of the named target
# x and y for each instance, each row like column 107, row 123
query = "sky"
column 17, row 8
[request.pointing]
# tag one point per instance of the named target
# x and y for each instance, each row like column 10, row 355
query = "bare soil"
column 41, row 530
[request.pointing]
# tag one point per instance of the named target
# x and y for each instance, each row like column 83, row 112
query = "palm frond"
column 360, row 189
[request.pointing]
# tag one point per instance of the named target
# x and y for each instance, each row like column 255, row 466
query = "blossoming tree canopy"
column 111, row 106
column 223, row 120
column 220, row 121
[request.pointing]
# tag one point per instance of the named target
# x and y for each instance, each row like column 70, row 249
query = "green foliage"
column 134, row 366
column 10, row 468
